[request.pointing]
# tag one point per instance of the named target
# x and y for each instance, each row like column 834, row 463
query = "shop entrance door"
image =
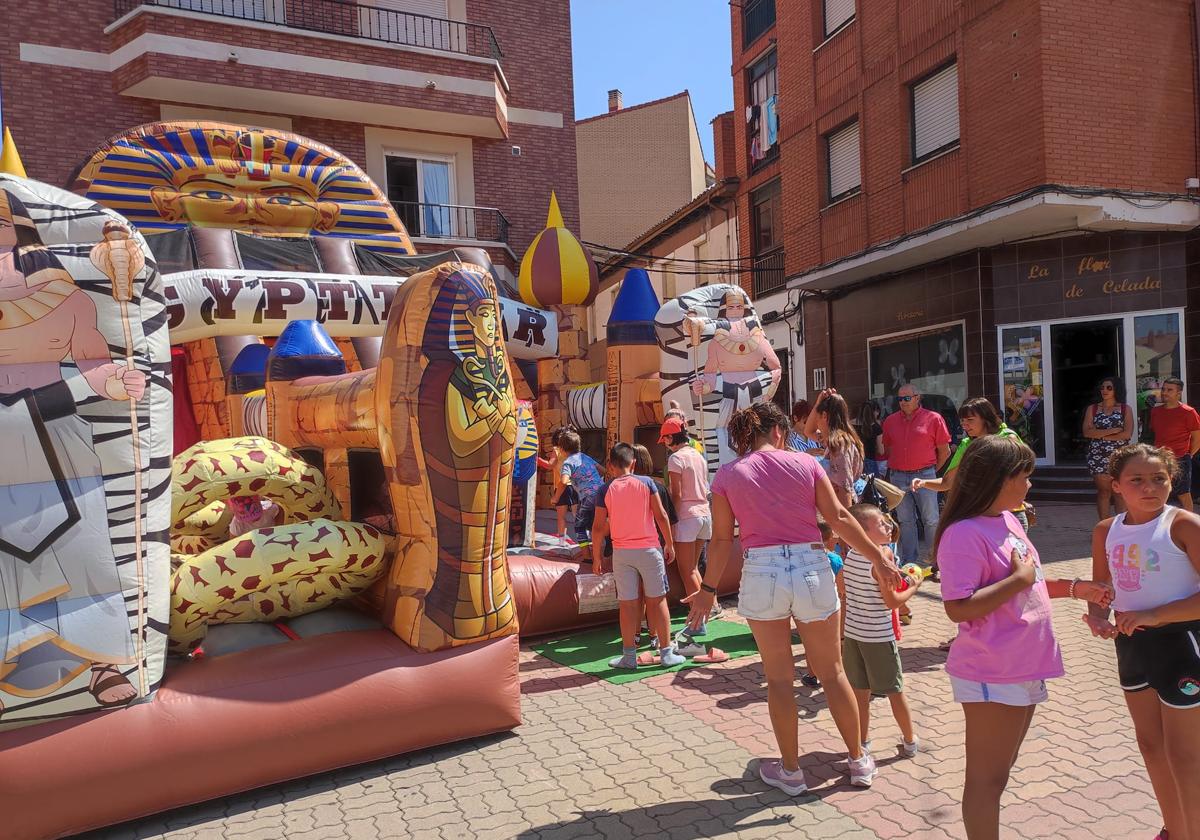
column 1081, row 354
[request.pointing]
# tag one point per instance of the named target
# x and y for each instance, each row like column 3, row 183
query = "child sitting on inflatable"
column 251, row 513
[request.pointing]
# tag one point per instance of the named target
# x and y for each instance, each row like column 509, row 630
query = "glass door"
column 1082, row 353
column 1022, row 382
column 1157, row 355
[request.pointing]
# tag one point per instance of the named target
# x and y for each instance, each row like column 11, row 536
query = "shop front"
column 1033, row 327
column 1086, row 308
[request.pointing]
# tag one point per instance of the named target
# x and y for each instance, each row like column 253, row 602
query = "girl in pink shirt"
column 993, row 587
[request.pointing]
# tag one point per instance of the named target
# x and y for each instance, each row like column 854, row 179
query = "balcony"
column 453, row 222
column 345, row 17
column 757, row 17
column 768, row 274
column 385, row 67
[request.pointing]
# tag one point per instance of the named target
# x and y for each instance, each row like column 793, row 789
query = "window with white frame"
column 935, row 113
column 837, row 14
column 421, row 188
column 845, row 168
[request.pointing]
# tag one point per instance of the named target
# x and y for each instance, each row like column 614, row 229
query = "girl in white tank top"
column 1154, row 566
column 1148, row 569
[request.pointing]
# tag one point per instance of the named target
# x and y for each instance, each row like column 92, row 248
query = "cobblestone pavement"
column 674, row 756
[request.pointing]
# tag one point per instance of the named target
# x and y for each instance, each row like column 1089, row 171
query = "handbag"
column 883, row 494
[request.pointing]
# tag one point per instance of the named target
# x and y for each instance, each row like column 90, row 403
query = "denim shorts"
column 787, row 581
column 1006, row 694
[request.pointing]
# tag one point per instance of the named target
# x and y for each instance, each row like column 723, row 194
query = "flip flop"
column 647, row 658
column 713, row 657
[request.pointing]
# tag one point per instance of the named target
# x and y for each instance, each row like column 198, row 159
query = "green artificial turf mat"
column 589, row 651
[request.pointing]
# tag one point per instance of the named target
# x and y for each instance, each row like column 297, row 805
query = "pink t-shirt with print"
column 689, row 473
column 1015, row 643
column 772, row 494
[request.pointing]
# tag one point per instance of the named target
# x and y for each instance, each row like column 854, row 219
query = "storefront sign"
column 1093, row 265
column 1117, row 287
column 910, row 314
column 1037, row 271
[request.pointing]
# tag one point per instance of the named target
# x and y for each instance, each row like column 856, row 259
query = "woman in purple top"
column 775, row 496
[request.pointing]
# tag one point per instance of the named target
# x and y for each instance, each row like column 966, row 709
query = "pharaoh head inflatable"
column 256, row 180
column 84, row 397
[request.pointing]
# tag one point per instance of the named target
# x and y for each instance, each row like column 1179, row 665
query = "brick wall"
column 725, row 145
column 58, row 115
column 1069, row 92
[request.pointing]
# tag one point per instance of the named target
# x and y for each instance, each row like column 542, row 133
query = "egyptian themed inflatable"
column 270, row 476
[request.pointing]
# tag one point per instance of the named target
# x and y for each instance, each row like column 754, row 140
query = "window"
column 757, row 17
column 845, row 169
column 422, row 191
column 766, row 227
column 933, row 360
column 762, row 115
column 935, row 113
column 838, row 13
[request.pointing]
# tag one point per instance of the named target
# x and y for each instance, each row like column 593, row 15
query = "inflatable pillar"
column 632, row 353
column 447, row 437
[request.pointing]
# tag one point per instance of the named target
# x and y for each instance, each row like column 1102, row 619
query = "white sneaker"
column 862, row 770
column 909, row 749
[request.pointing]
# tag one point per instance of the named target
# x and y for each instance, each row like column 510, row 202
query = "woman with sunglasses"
column 1107, row 425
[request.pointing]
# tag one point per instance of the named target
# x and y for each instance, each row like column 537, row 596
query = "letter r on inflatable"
column 447, row 437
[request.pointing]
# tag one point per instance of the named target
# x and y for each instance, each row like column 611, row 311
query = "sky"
column 675, row 45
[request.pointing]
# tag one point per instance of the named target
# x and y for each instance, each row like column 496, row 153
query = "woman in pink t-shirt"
column 993, row 587
column 775, row 496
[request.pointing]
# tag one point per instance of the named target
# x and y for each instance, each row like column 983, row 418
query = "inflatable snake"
column 287, row 570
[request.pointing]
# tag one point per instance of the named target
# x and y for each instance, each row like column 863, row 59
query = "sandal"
column 713, row 657
column 105, row 677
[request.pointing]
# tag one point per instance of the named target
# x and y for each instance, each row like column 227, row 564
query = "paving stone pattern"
column 674, row 756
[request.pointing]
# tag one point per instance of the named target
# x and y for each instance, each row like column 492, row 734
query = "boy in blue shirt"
column 581, row 480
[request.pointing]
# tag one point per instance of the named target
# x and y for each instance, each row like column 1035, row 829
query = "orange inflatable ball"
column 557, row 270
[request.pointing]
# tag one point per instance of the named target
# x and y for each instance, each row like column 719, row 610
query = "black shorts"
column 1166, row 659
column 1183, row 482
column 567, row 497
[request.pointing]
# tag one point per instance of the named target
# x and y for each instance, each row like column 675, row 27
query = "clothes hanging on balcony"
column 756, row 152
column 771, row 120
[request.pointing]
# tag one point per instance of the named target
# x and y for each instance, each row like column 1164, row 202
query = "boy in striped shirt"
column 870, row 653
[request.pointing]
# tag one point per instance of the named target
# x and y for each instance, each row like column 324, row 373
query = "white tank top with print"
column 1147, row 568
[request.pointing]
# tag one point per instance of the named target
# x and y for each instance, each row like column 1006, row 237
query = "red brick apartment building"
column 982, row 197
column 461, row 109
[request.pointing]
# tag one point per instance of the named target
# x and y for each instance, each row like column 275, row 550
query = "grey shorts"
column 788, row 581
column 631, row 565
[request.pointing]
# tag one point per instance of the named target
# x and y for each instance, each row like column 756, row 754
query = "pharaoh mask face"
column 239, row 200
column 484, row 324
column 735, row 306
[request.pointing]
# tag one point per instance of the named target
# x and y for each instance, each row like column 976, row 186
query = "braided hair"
column 750, row 425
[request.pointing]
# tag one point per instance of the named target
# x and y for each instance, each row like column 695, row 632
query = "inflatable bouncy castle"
column 298, row 563
column 269, row 475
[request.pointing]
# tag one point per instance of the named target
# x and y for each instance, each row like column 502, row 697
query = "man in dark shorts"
column 1176, row 426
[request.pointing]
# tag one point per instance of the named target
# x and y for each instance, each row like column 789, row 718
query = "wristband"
column 709, row 589
column 1071, row 589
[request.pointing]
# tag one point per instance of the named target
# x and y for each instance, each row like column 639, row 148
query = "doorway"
column 1082, row 354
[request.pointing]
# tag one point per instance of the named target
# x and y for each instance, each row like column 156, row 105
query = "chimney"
column 614, row 100
column 724, row 146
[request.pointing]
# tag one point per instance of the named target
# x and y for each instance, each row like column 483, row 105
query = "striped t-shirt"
column 868, row 619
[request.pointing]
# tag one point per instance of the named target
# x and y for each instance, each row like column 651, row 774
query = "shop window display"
column 932, row 360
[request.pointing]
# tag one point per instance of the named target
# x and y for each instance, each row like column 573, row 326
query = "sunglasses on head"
column 906, row 399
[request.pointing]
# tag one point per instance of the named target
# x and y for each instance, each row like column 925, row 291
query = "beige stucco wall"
column 636, row 166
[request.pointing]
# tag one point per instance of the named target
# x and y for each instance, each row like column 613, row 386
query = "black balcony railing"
column 757, row 17
column 345, row 17
column 768, row 273
column 453, row 221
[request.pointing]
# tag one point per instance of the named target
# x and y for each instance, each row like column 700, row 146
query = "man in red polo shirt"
column 1176, row 426
column 917, row 443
